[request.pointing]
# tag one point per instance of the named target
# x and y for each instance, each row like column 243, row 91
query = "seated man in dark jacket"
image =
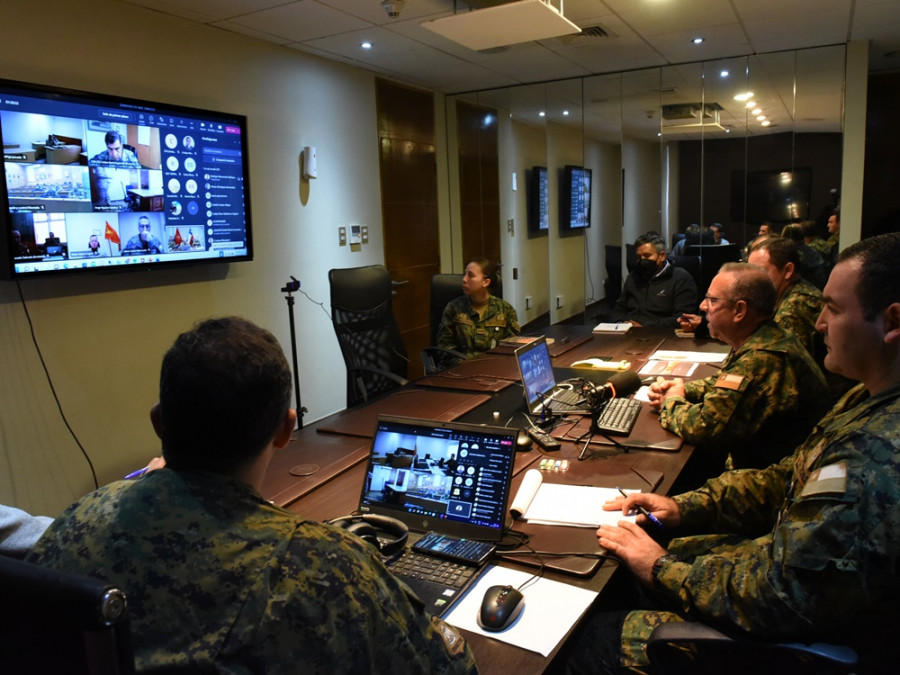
column 656, row 293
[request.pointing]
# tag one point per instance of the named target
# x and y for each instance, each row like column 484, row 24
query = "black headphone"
column 386, row 534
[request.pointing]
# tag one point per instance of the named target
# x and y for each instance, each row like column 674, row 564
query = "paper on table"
column 699, row 357
column 544, row 598
column 558, row 504
column 669, row 368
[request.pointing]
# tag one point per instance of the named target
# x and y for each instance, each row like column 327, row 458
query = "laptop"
column 542, row 393
column 447, row 477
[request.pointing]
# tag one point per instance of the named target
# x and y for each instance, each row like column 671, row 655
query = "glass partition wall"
column 737, row 141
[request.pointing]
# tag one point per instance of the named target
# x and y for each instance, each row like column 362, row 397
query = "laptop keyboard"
column 562, row 400
column 420, row 566
column 618, row 416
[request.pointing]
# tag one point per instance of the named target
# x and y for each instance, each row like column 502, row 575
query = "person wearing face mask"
column 656, row 292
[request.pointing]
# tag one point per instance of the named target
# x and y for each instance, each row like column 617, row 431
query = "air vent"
column 594, row 32
column 586, row 37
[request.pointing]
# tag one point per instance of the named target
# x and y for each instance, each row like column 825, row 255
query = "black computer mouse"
column 523, row 441
column 500, row 607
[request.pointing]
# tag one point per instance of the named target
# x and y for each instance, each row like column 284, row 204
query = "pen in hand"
column 138, row 473
column 644, row 512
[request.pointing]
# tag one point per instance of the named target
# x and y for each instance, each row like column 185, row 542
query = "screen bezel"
column 569, row 220
column 538, row 201
column 138, row 107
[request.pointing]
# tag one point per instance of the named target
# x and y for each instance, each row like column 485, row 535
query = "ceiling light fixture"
column 698, row 40
column 744, row 96
column 766, row 123
column 724, row 73
column 756, row 111
column 365, row 45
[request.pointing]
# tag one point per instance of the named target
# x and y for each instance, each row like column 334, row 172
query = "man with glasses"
column 767, row 395
column 807, row 549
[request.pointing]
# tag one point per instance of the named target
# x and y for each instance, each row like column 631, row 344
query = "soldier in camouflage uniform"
column 799, row 303
column 768, row 393
column 217, row 578
column 476, row 321
column 807, row 549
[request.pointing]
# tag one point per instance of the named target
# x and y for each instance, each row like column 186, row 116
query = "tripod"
column 290, row 287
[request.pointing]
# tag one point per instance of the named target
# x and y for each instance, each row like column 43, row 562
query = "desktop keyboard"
column 618, row 416
column 422, row 566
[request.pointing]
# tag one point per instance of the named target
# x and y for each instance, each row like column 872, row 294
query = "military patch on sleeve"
column 828, row 480
column 453, row 641
column 729, row 381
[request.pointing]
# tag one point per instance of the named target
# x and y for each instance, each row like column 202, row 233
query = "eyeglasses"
column 711, row 301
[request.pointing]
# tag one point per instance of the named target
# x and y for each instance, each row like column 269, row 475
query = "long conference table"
column 320, row 474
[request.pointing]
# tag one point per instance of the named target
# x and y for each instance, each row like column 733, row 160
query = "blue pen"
column 138, row 473
column 644, row 512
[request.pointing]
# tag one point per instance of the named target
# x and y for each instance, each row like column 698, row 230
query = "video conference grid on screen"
column 96, row 184
column 452, row 474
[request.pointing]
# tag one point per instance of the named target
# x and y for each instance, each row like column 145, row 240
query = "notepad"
column 559, row 504
column 612, row 328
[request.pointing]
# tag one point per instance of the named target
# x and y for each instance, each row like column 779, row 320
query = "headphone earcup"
column 368, row 527
column 365, row 532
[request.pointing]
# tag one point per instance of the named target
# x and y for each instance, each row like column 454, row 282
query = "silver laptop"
column 446, row 477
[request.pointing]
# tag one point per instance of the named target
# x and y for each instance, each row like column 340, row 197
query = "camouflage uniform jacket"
column 219, row 580
column 797, row 311
column 762, row 403
column 820, row 246
column 463, row 330
column 808, row 549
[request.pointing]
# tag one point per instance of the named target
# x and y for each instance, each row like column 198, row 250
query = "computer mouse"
column 500, row 607
column 523, row 441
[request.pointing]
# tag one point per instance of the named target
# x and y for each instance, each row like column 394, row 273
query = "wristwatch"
column 660, row 562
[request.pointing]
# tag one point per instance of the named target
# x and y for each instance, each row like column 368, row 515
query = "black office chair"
column 444, row 288
column 679, row 648
column 56, row 622
column 712, row 257
column 363, row 318
column 613, row 283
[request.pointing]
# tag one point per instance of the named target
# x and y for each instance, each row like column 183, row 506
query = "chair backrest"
column 56, row 622
column 363, row 318
column 444, row 288
column 613, row 272
column 712, row 257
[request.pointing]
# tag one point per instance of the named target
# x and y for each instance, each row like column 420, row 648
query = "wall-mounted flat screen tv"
column 538, row 200
column 94, row 182
column 779, row 196
column 575, row 198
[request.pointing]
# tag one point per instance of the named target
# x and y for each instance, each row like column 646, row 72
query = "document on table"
column 558, row 504
column 697, row 357
column 543, row 599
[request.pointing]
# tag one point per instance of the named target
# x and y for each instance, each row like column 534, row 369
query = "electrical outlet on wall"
column 559, row 302
column 527, row 302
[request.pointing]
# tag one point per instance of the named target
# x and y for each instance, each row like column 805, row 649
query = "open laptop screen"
column 450, row 477
column 536, row 370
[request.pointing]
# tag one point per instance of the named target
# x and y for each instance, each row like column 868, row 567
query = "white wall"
column 102, row 337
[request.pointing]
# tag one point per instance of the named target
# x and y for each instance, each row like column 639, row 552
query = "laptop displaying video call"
column 450, row 477
column 539, row 380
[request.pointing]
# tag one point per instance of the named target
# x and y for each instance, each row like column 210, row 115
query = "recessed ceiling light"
column 724, row 73
column 751, row 104
column 744, row 96
column 565, row 113
column 698, row 40
column 756, row 111
column 366, row 45
column 542, row 114
column 760, row 118
column 766, row 123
